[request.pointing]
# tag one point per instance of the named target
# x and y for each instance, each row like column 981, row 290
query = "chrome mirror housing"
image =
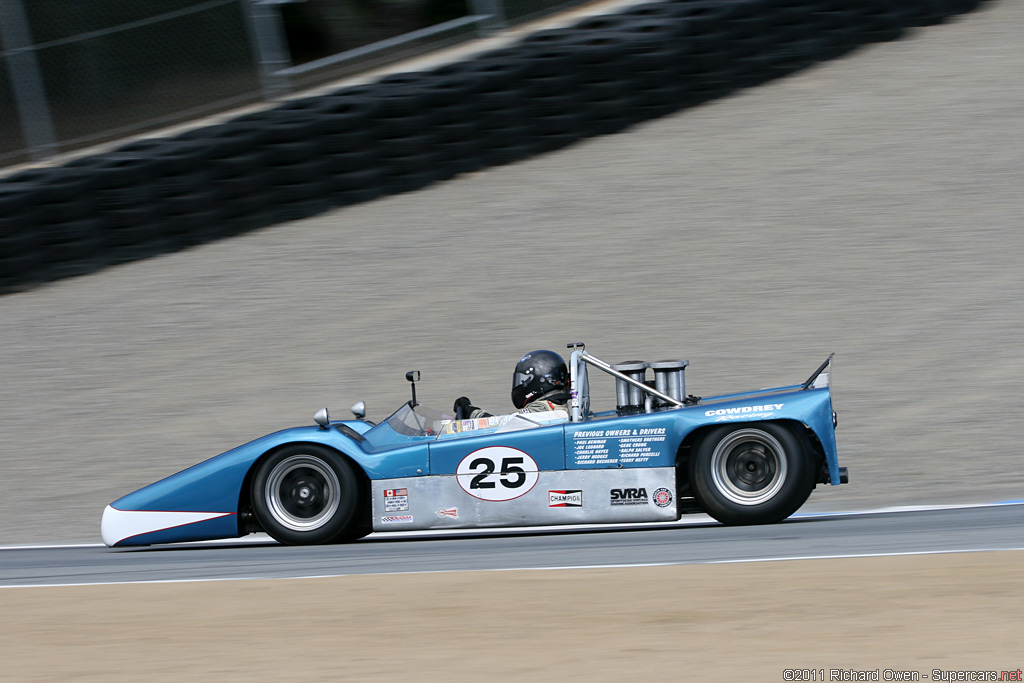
column 322, row 418
column 359, row 410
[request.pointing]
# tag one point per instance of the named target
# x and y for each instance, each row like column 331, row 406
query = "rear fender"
column 807, row 436
column 811, row 408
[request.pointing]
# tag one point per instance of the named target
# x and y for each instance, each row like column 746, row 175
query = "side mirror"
column 359, row 410
column 322, row 418
column 413, row 376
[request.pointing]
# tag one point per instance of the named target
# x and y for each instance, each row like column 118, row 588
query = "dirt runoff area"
column 900, row 618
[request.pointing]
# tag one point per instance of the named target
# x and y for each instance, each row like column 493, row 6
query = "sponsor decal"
column 452, row 513
column 565, row 499
column 396, row 500
column 615, row 433
column 632, row 447
column 396, row 519
column 629, row 496
column 497, row 473
column 662, row 497
column 744, row 412
column 459, row 426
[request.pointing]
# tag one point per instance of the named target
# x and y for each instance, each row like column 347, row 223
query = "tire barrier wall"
column 408, row 130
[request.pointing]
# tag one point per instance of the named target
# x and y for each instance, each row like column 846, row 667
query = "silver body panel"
column 557, row 497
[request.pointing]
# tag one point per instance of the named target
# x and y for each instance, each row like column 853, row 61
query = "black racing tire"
column 19, row 253
column 292, row 152
column 71, row 241
column 751, row 473
column 117, row 170
column 59, row 184
column 225, row 139
column 414, row 173
column 18, row 198
column 126, row 196
column 347, row 161
column 347, row 141
column 237, row 166
column 182, row 183
column 406, row 145
column 491, row 73
column 247, row 186
column 306, row 171
column 355, row 187
column 305, row 494
column 356, row 194
column 188, row 203
column 290, row 122
column 130, row 227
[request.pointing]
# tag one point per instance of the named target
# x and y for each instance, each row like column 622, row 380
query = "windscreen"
column 407, row 421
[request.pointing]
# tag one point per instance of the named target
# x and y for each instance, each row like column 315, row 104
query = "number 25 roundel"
column 497, row 473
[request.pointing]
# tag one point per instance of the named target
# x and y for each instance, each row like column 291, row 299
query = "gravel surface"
column 733, row 622
column 870, row 206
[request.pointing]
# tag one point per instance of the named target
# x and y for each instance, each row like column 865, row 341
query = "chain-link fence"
column 72, row 73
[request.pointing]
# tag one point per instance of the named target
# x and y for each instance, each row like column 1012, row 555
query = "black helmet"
column 537, row 374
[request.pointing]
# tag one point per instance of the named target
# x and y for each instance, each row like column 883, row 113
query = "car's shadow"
column 697, row 527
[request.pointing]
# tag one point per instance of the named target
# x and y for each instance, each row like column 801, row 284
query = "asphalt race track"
column 869, row 206
column 999, row 527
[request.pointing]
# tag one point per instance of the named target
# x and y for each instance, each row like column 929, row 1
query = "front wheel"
column 305, row 494
column 756, row 473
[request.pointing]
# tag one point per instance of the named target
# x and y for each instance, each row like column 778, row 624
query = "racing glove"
column 462, row 403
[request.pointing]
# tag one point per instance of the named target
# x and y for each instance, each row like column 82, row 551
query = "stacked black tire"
column 411, row 129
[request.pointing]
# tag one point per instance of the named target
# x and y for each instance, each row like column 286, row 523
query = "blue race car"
column 750, row 458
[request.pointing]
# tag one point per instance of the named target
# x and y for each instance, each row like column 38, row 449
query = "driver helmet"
column 537, row 374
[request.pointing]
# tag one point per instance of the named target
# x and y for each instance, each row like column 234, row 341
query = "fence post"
column 269, row 45
column 26, row 81
column 494, row 10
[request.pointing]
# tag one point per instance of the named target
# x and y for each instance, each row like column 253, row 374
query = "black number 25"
column 512, row 476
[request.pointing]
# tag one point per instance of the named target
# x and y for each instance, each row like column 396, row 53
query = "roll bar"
column 579, row 386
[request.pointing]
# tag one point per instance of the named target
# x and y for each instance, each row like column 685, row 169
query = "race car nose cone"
column 118, row 526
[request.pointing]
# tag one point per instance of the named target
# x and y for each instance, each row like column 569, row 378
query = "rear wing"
column 820, row 378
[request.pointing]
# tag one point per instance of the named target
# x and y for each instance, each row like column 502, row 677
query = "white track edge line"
column 797, row 558
column 688, row 520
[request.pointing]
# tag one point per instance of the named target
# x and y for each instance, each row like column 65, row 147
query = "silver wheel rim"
column 302, row 492
column 749, row 466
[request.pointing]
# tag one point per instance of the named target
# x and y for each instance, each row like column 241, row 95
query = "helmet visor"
column 521, row 378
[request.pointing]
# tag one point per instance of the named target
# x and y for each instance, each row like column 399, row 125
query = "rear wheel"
column 756, row 473
column 306, row 494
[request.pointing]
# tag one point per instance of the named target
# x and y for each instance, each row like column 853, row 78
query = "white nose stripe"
column 118, row 525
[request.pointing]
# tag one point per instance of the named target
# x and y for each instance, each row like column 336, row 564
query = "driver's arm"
column 467, row 411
